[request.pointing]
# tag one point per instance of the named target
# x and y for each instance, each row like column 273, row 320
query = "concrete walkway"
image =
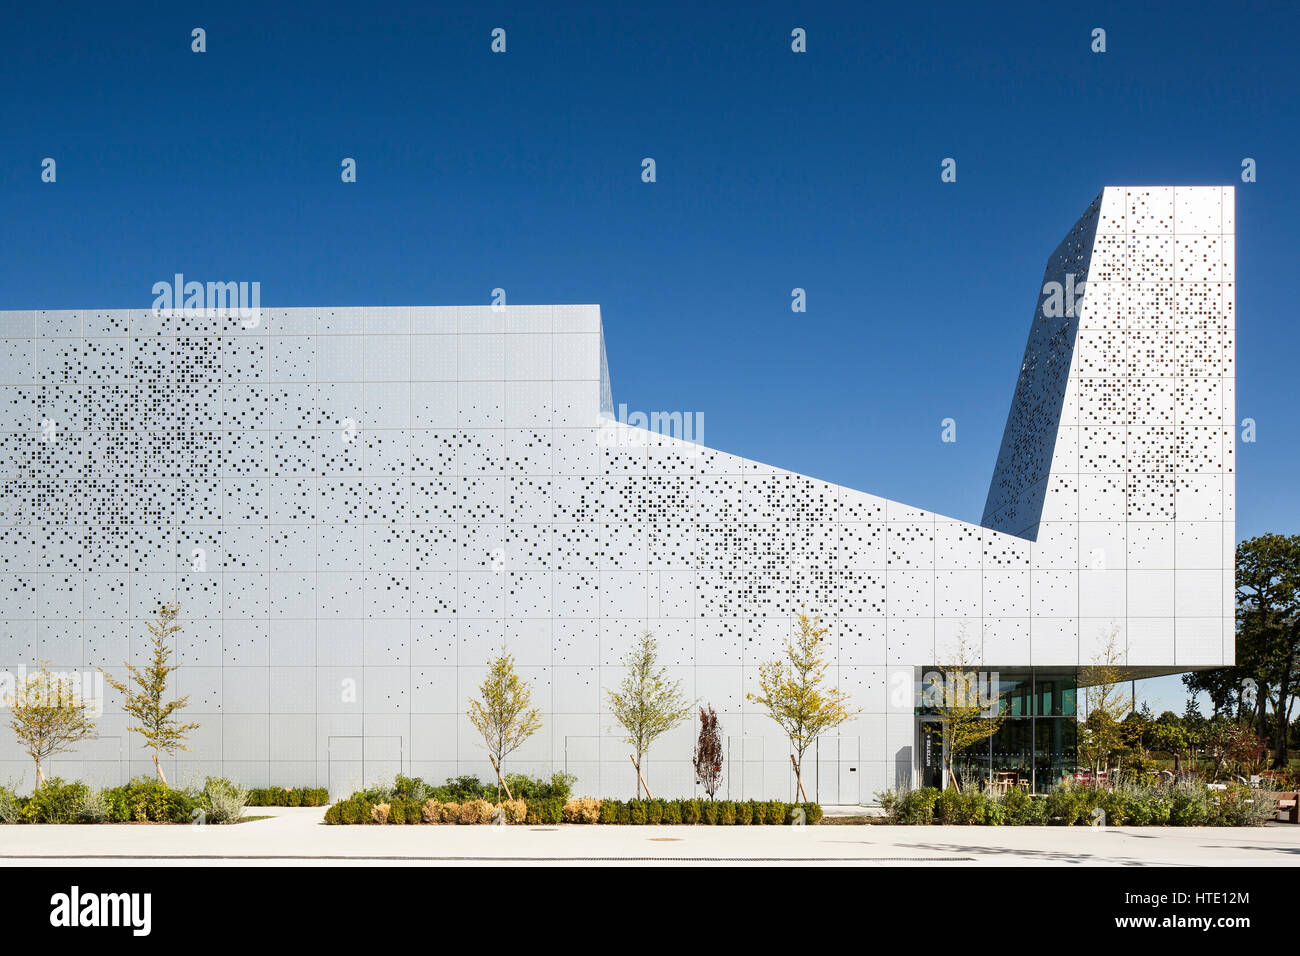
column 297, row 837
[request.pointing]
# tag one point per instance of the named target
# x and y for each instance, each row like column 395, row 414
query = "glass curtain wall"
column 1036, row 744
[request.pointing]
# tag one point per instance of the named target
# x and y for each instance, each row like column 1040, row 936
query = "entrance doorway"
column 930, row 748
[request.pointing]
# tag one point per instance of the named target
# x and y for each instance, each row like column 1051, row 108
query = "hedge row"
column 467, row 788
column 1125, row 805
column 141, row 801
column 288, row 797
column 709, row 812
column 360, row 809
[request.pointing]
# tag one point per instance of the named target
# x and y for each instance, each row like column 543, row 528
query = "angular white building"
column 356, row 507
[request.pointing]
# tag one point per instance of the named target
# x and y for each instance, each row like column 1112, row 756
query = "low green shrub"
column 1066, row 806
column 1150, row 811
column 609, row 811
column 654, row 812
column 356, row 810
column 744, row 813
column 467, row 788
column 672, row 812
column 812, row 813
column 1116, row 804
column 547, row 811
column 410, row 788
column 1243, row 806
column 1128, row 802
column 965, row 808
column 1015, row 807
column 222, row 800
column 1191, row 807
column 146, row 800
column 558, row 787
column 914, row 807
column 94, row 807
column 726, row 813
column 11, row 806
column 56, row 801
column 690, row 811
column 296, row 797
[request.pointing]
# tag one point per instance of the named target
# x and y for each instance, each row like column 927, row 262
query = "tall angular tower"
column 1118, row 456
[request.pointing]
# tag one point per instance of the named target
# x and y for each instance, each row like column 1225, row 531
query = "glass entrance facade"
column 1035, row 746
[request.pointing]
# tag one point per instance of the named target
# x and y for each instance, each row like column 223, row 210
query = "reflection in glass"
column 1013, row 752
column 1035, row 746
column 1055, row 739
column 973, row 764
column 1016, row 691
column 1055, row 696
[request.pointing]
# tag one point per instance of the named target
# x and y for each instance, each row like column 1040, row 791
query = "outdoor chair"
column 1288, row 807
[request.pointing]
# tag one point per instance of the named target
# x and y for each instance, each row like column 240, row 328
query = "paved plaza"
column 298, row 837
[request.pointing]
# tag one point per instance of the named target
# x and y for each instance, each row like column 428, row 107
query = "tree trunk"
column 952, row 774
column 640, row 778
column 40, row 774
column 798, row 778
column 157, row 766
column 501, row 781
column 1280, row 734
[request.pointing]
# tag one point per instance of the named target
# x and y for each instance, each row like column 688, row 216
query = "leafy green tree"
column 1171, row 736
column 48, row 716
column 1262, row 686
column 792, row 692
column 1139, row 729
column 647, row 704
column 504, row 714
column 967, row 716
column 1268, row 628
column 156, row 719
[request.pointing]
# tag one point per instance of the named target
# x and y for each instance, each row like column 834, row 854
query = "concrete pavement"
column 296, row 836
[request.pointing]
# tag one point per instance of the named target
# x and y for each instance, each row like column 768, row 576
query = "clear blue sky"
column 775, row 170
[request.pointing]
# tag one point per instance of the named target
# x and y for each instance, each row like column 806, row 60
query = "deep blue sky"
column 775, row 170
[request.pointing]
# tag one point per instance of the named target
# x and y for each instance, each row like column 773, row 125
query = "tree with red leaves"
column 708, row 752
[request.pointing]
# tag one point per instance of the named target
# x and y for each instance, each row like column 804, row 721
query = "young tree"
column 708, row 752
column 968, row 715
column 504, row 715
column 1195, row 725
column 647, row 703
column 156, row 719
column 1247, row 752
column 1216, row 740
column 792, row 693
column 48, row 716
column 1102, row 734
column 1170, row 735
